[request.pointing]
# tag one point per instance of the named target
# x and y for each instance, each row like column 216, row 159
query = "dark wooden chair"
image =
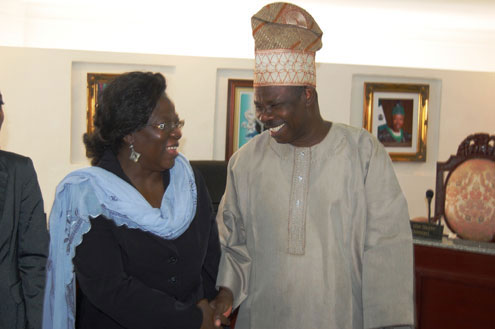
column 215, row 174
column 465, row 189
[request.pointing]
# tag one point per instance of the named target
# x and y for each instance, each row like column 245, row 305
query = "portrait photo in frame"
column 397, row 114
column 96, row 82
column 242, row 124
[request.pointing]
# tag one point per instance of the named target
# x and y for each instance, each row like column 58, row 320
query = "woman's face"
column 158, row 147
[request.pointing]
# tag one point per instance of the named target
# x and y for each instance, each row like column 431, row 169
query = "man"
column 314, row 227
column 396, row 134
column 23, row 242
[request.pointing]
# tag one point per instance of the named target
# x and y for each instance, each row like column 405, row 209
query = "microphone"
column 429, row 196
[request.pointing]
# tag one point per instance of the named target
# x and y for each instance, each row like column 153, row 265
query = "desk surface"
column 486, row 248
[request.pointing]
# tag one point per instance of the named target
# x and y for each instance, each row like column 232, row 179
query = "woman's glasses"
column 169, row 126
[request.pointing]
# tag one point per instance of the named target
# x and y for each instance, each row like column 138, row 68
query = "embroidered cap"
column 398, row 109
column 286, row 38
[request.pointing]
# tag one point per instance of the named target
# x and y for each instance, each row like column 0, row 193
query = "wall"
column 440, row 34
column 45, row 97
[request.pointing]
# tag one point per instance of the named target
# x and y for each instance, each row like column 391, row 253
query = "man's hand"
column 222, row 305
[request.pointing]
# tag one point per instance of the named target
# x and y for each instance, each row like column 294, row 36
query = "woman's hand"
column 222, row 305
column 207, row 314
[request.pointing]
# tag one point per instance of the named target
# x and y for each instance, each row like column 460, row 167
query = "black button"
column 172, row 260
column 172, row 280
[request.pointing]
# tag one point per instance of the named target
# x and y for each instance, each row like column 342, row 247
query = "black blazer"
column 133, row 279
column 23, row 244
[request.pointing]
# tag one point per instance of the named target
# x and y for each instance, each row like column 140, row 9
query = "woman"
column 138, row 224
column 23, row 242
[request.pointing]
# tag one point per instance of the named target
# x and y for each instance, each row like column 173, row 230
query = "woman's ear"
column 129, row 139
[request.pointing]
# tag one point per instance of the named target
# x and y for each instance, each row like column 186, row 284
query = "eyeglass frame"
column 168, row 126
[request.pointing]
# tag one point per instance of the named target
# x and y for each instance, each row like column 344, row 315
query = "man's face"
column 282, row 110
column 397, row 122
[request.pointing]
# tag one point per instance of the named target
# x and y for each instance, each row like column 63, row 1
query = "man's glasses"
column 169, row 126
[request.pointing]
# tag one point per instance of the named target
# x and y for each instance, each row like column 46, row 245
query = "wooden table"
column 455, row 285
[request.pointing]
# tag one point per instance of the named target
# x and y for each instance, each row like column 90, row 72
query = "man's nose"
column 264, row 115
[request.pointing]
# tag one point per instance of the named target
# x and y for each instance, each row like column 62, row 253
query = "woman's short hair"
column 124, row 107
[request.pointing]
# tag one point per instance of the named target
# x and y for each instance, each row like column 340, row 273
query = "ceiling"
column 441, row 34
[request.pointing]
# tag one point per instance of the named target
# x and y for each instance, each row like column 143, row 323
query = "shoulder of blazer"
column 12, row 165
column 10, row 160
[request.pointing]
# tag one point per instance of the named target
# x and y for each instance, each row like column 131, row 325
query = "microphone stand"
column 429, row 196
column 428, row 230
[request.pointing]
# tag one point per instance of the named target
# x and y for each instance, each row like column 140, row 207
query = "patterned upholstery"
column 470, row 200
column 465, row 189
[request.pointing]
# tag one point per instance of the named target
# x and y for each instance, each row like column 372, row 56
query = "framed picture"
column 397, row 114
column 242, row 124
column 96, row 83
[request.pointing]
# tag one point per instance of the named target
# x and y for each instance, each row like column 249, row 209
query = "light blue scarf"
column 92, row 192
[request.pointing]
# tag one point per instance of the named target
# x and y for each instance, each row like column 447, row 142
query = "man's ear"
column 310, row 94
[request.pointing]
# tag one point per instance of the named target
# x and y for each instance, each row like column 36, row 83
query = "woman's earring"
column 134, row 155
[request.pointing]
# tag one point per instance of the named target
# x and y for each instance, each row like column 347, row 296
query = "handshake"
column 216, row 313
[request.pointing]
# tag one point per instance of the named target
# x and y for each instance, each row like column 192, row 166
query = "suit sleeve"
column 235, row 261
column 210, row 265
column 209, row 269
column 33, row 244
column 388, row 299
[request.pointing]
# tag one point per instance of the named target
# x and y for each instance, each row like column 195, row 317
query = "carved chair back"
column 465, row 189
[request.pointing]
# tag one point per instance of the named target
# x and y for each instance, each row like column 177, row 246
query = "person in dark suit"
column 138, row 225
column 23, row 242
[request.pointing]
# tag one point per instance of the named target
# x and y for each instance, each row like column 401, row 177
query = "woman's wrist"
column 202, row 302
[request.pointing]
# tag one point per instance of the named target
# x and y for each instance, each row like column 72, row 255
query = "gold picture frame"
column 96, row 82
column 397, row 114
column 242, row 124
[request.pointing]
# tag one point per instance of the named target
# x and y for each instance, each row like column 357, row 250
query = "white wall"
column 45, row 109
column 446, row 34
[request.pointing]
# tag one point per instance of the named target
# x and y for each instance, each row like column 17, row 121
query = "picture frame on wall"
column 397, row 115
column 96, row 82
column 242, row 124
